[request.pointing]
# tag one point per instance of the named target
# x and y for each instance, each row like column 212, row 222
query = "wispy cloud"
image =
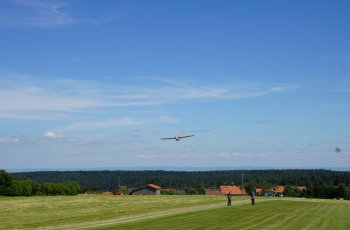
column 35, row 13
column 50, row 99
column 40, row 99
column 112, row 123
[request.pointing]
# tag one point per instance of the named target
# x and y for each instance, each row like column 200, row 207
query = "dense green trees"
column 26, row 187
column 196, row 190
column 5, row 183
column 107, row 180
column 319, row 183
column 250, row 186
column 23, row 188
column 292, row 191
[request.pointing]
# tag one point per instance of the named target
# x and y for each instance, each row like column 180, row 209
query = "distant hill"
column 172, row 168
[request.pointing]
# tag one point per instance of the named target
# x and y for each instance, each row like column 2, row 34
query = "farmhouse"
column 233, row 189
column 150, row 189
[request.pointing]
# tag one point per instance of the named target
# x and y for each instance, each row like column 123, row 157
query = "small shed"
column 150, row 189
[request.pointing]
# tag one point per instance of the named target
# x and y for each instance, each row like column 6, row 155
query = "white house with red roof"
column 150, row 189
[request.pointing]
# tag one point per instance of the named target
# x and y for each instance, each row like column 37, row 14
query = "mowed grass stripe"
column 49, row 212
column 151, row 215
column 282, row 214
column 318, row 212
column 179, row 212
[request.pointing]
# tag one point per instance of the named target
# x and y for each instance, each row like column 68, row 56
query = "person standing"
column 229, row 199
column 252, row 197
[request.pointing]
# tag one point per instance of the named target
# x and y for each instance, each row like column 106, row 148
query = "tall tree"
column 5, row 183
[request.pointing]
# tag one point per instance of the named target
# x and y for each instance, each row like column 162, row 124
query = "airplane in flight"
column 177, row 138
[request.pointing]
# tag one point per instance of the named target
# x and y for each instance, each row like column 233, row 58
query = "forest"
column 10, row 186
column 319, row 183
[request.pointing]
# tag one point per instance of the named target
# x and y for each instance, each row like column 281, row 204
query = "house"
column 211, row 191
column 258, row 191
column 233, row 189
column 279, row 190
column 150, row 189
column 301, row 188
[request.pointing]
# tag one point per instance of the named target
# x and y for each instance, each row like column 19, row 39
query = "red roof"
column 154, row 186
column 233, row 189
column 279, row 189
column 301, row 188
column 258, row 190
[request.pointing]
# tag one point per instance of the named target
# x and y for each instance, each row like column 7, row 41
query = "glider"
column 177, row 138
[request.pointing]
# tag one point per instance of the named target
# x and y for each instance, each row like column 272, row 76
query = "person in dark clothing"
column 229, row 199
column 252, row 197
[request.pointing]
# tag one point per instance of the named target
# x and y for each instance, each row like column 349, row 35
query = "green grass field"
column 170, row 212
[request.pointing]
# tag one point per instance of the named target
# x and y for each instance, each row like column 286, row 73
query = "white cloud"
column 57, row 137
column 52, row 135
column 9, row 140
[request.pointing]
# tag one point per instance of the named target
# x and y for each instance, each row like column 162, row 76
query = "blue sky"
column 97, row 83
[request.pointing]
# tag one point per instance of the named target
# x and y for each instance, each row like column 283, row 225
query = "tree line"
column 319, row 183
column 10, row 186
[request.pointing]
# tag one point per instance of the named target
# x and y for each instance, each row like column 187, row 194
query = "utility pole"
column 242, row 183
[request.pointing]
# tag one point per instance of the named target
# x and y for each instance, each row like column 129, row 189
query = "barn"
column 150, row 189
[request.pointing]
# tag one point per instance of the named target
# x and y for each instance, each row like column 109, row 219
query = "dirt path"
column 151, row 215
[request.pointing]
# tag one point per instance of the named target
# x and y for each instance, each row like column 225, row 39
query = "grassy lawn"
column 279, row 214
column 34, row 212
column 170, row 212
